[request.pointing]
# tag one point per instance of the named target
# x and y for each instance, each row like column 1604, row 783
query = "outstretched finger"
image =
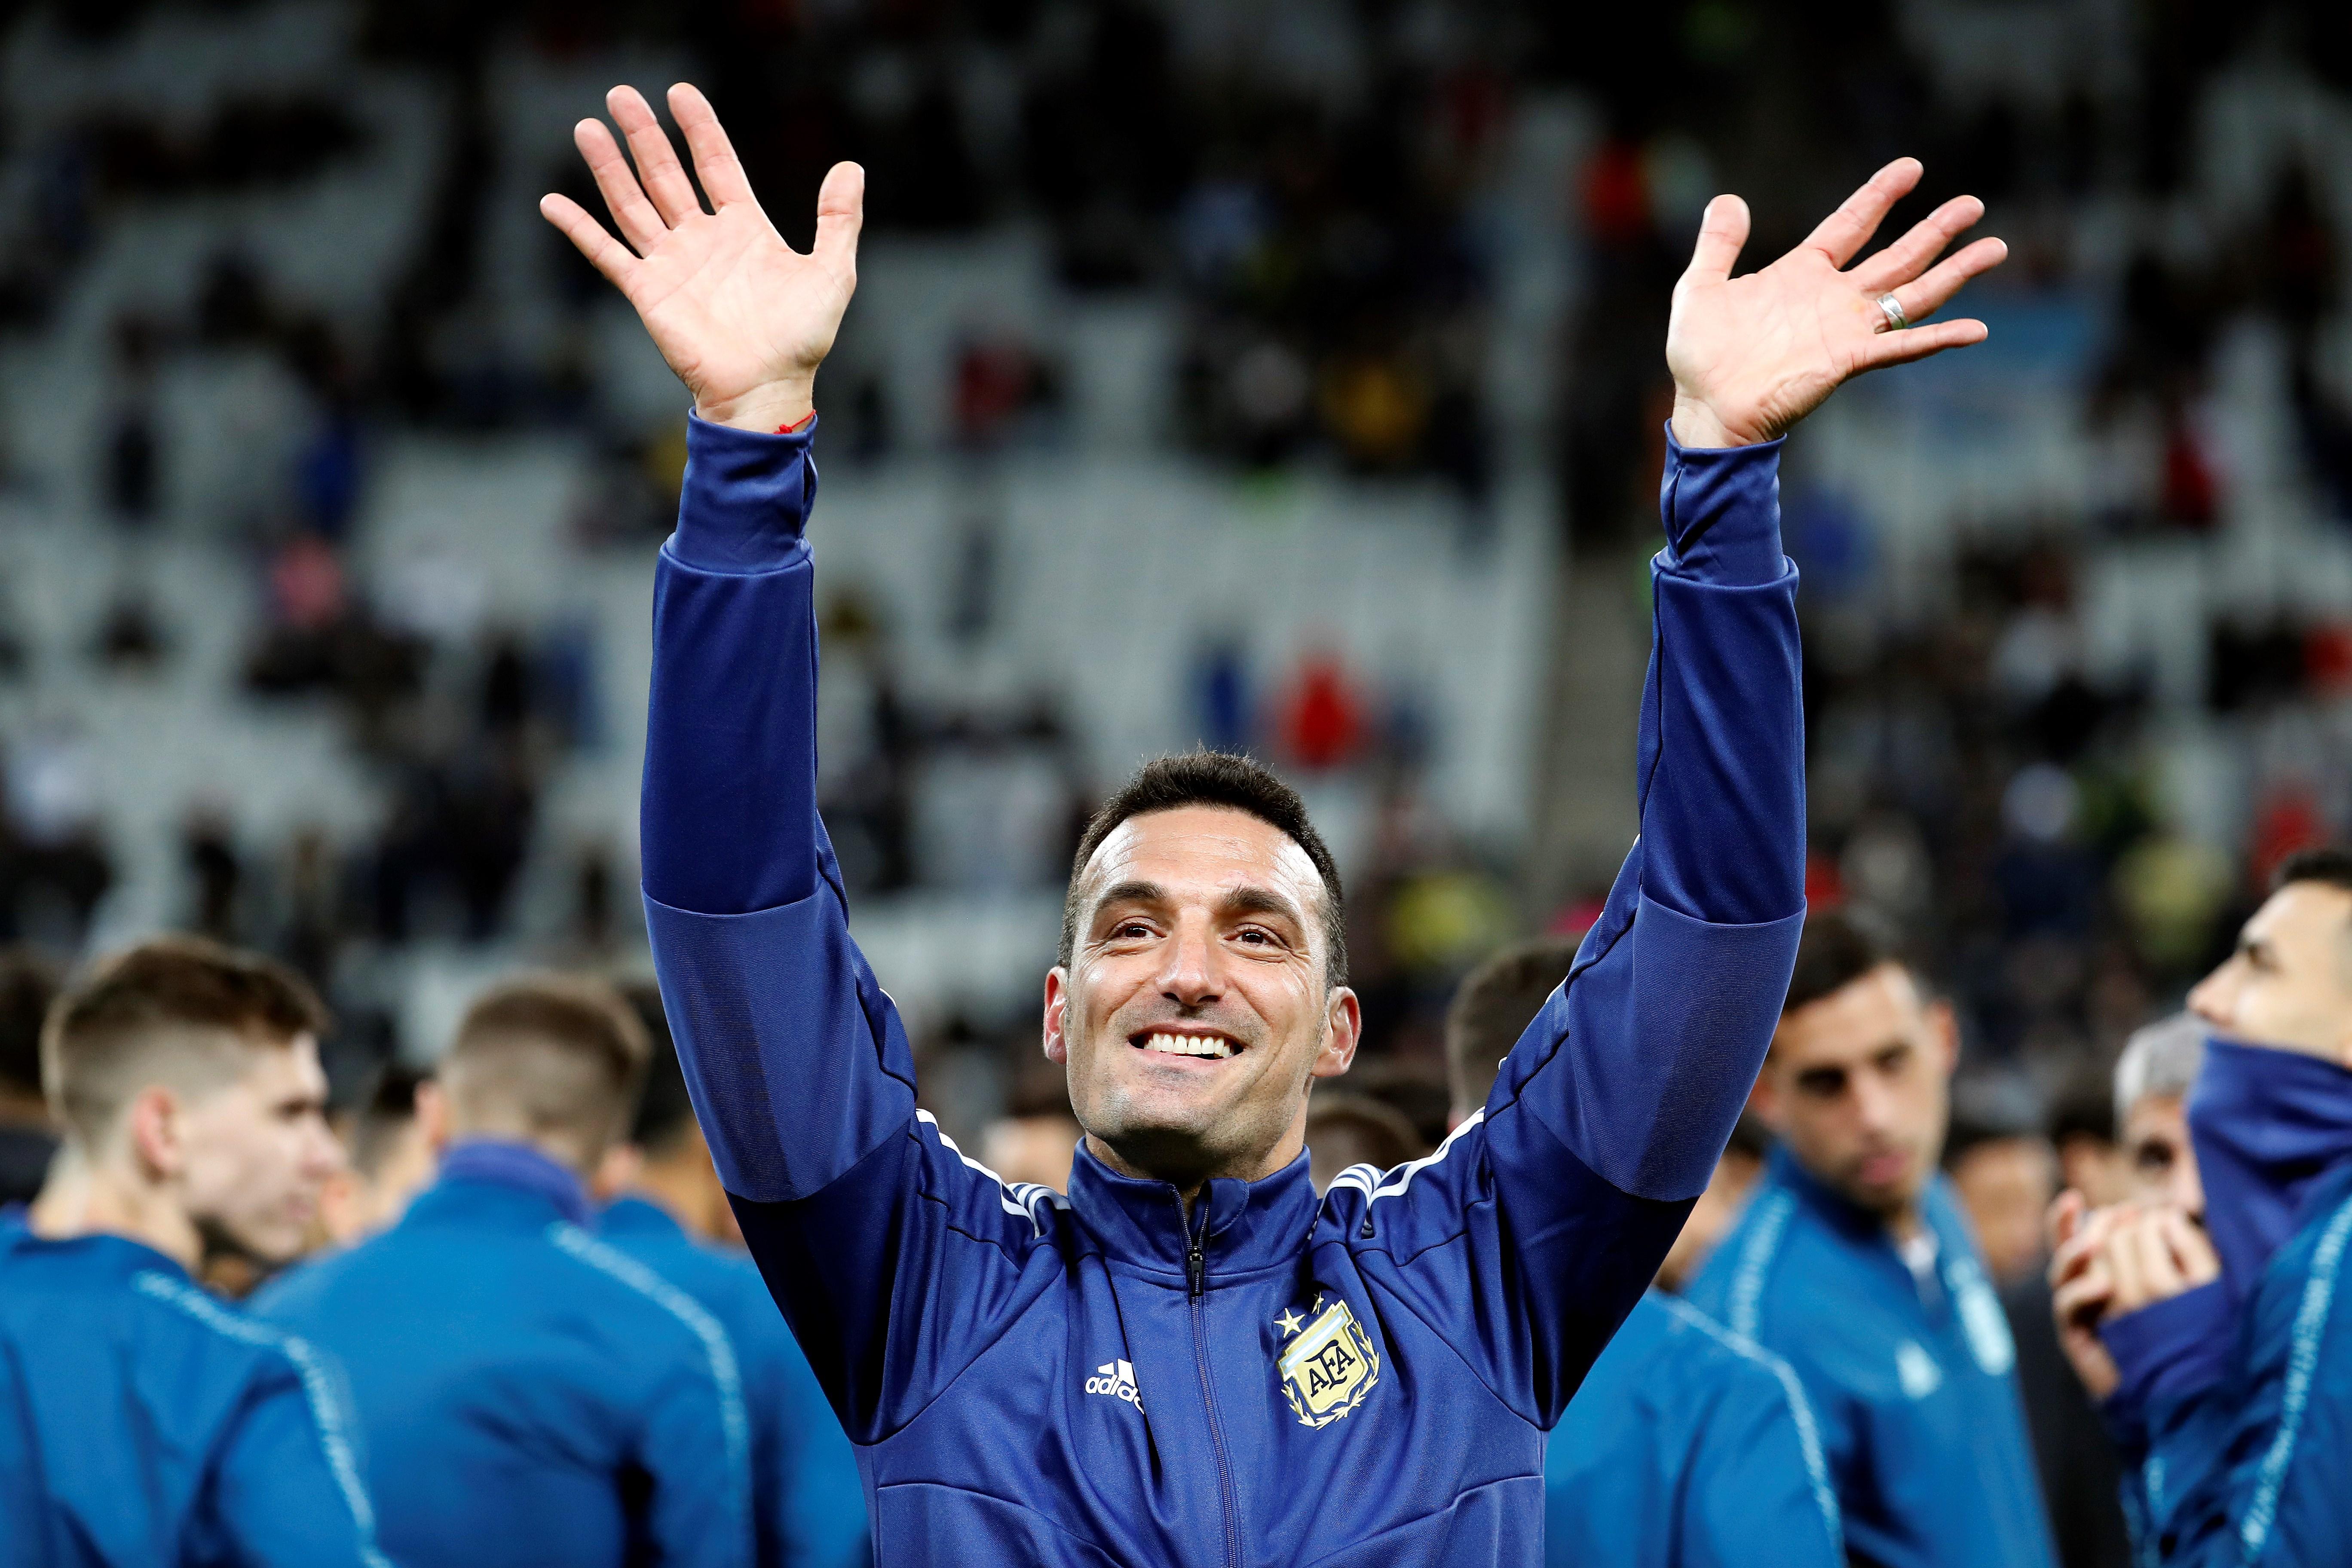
column 1909, row 255
column 658, row 169
column 639, row 224
column 715, row 164
column 1842, row 234
column 840, row 214
column 1918, row 342
column 1925, row 297
column 1721, row 232
column 605, row 253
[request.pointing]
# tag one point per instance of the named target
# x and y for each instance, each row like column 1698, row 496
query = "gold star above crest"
column 1290, row 1322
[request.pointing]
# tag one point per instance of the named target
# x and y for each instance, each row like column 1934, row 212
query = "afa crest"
column 1326, row 1367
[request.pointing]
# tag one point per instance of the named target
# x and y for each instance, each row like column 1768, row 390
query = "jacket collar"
column 1858, row 1225
column 628, row 1215
column 1242, row 1226
column 516, row 1170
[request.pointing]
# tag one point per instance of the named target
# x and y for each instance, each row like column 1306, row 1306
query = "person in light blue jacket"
column 1192, row 1357
column 144, row 1424
column 1855, row 1264
column 671, row 1215
column 2223, row 1342
column 1687, row 1446
column 529, row 1395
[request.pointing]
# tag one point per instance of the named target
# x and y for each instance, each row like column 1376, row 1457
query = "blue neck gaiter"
column 2267, row 1126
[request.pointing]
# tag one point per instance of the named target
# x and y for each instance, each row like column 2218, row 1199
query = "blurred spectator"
column 614, row 1418
column 2153, row 1077
column 131, row 470
column 208, row 848
column 1344, row 1130
column 27, row 1137
column 391, row 1140
column 1683, row 1445
column 1037, row 1136
column 2005, row 1178
column 1854, row 1258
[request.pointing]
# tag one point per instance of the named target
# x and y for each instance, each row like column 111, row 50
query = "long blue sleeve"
column 1610, row 1112
column 796, row 1060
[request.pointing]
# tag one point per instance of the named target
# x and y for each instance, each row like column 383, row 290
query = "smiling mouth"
column 1217, row 1048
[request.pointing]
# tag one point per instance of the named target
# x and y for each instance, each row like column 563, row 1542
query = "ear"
column 1944, row 1028
column 433, row 1115
column 1343, row 1026
column 1058, row 1013
column 156, row 1125
column 1764, row 1099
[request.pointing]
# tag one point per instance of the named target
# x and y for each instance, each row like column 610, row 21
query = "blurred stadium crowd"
column 328, row 478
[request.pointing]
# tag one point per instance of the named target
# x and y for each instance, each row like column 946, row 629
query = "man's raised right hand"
column 741, row 317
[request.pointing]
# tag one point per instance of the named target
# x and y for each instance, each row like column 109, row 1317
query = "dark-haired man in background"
column 27, row 1137
column 1687, row 1446
column 391, row 1138
column 2223, row 1344
column 671, row 1215
column 1853, row 1263
column 141, row 1421
column 1191, row 1357
column 529, row 1396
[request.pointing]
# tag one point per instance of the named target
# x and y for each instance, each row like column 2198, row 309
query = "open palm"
column 1752, row 356
column 741, row 317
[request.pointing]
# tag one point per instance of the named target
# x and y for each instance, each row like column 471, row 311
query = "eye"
column 1129, row 931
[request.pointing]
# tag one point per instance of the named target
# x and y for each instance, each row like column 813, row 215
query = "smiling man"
column 1192, row 1358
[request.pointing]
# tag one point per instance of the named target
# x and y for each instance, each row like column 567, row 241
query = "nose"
column 1190, row 979
column 2215, row 997
column 1874, row 1102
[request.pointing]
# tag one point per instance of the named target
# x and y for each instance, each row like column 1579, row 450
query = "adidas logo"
column 1116, row 1378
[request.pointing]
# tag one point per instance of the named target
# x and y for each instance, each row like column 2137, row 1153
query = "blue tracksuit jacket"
column 2235, row 1415
column 1913, row 1390
column 806, row 1504
column 145, row 1424
column 1687, row 1446
column 1366, row 1379
column 529, row 1395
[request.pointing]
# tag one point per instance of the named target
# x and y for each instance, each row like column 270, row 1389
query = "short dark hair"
column 665, row 1110
column 389, row 1106
column 28, row 983
column 1839, row 947
column 1494, row 1007
column 1219, row 779
column 2325, row 864
column 562, row 1055
column 142, row 1017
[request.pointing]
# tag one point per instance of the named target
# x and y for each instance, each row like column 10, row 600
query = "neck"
column 81, row 1198
column 678, row 1190
column 1905, row 1223
column 1188, row 1176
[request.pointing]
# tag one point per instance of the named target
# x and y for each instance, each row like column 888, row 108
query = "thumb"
column 1721, row 233
column 840, row 214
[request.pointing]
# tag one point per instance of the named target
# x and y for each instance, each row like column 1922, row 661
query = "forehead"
column 1202, row 851
column 1852, row 1023
column 2302, row 915
column 274, row 1072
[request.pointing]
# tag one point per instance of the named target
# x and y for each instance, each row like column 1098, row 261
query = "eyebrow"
column 1260, row 901
column 1242, row 900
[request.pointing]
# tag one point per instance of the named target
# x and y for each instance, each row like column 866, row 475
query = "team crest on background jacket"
column 1329, row 1366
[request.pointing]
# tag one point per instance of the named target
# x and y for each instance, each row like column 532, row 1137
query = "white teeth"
column 1188, row 1046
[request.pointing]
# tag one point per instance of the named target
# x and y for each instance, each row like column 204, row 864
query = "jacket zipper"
column 1196, row 1289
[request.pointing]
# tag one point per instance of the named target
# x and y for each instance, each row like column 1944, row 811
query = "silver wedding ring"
column 1891, row 309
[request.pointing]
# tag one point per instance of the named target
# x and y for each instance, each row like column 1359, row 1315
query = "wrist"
column 776, row 406
column 1696, row 424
